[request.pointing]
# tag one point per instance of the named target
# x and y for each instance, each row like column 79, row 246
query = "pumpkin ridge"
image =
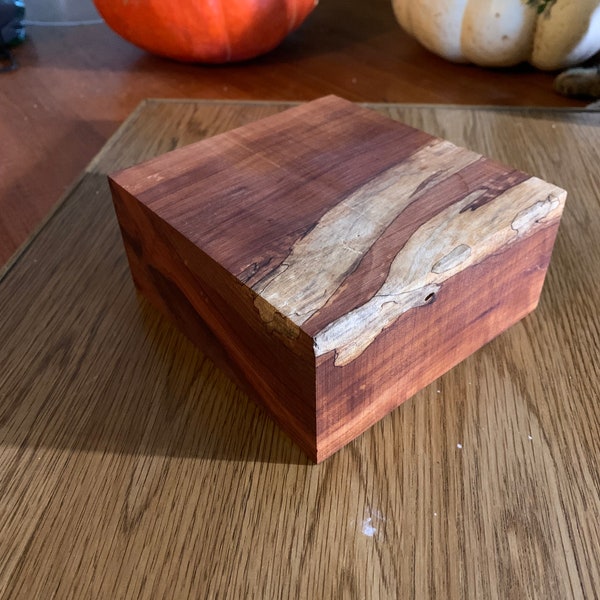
column 226, row 38
column 293, row 16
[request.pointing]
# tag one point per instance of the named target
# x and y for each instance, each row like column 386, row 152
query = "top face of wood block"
column 339, row 218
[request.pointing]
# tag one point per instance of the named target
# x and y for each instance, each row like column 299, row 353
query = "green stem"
column 540, row 5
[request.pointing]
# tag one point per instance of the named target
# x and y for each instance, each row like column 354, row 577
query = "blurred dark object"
column 12, row 31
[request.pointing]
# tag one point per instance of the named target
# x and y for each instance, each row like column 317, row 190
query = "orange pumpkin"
column 213, row 31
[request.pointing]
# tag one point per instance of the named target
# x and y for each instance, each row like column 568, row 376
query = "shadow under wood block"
column 334, row 261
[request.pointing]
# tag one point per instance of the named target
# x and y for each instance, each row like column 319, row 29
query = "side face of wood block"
column 334, row 261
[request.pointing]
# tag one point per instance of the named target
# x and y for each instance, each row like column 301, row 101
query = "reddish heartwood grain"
column 333, row 261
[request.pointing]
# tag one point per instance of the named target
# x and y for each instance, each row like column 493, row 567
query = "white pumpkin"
column 502, row 33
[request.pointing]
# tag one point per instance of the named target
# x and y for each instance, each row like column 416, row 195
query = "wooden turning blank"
column 334, row 261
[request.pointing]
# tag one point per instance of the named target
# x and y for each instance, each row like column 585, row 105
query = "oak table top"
column 131, row 467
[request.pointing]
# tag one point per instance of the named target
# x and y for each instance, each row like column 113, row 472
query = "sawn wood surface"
column 131, row 467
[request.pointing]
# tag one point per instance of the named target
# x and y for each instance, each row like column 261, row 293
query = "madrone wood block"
column 334, row 261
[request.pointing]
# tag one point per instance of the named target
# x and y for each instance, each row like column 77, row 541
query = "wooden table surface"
column 130, row 467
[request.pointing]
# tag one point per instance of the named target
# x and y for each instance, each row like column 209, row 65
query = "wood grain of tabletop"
column 130, row 467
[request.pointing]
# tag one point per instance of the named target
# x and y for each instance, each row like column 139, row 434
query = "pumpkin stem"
column 540, row 5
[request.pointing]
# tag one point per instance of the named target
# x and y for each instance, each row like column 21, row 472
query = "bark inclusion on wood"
column 449, row 242
column 319, row 263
